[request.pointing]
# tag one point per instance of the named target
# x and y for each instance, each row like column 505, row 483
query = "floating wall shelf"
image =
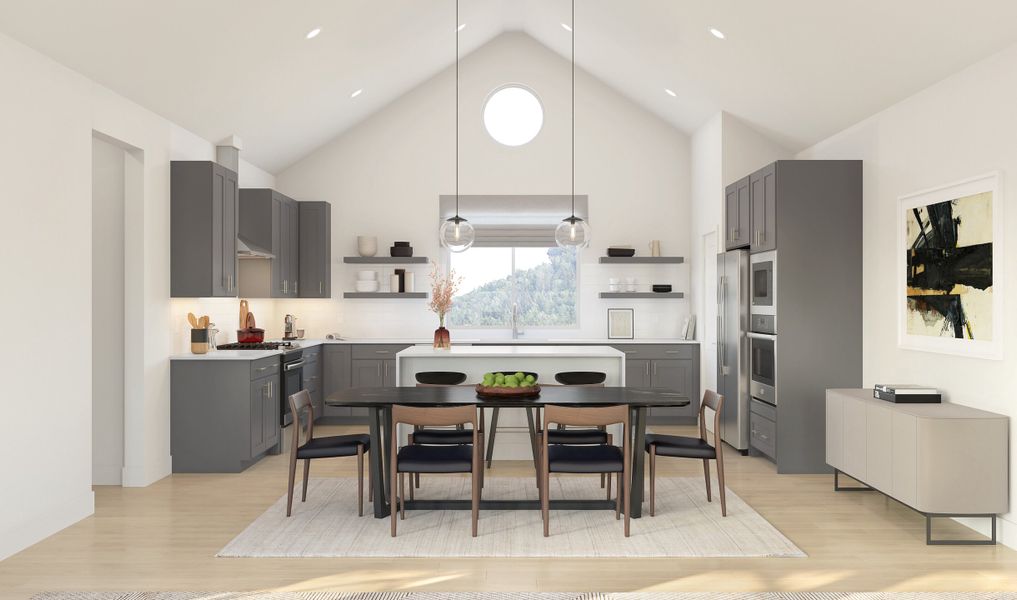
column 643, row 260
column 384, row 295
column 385, row 260
column 671, row 295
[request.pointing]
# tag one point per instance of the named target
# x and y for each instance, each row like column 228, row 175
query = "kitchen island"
column 512, row 435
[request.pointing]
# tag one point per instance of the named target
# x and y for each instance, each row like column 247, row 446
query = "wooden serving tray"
column 504, row 393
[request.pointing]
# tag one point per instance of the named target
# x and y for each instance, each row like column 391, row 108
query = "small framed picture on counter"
column 620, row 323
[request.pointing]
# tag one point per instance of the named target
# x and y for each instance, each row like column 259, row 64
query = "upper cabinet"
column 268, row 220
column 204, row 203
column 737, row 210
column 315, row 264
column 763, row 191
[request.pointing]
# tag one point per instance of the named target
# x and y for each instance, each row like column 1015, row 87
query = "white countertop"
column 459, row 352
column 228, row 355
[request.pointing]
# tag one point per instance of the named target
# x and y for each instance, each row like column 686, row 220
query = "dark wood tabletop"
column 557, row 395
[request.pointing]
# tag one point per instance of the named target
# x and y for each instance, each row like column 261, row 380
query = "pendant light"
column 573, row 231
column 456, row 233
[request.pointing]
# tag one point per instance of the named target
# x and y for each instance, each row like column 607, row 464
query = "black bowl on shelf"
column 621, row 252
column 400, row 251
column 661, row 288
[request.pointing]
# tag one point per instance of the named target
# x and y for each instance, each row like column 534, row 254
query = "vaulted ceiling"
column 797, row 70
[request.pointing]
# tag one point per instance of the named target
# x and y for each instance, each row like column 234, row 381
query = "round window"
column 513, row 115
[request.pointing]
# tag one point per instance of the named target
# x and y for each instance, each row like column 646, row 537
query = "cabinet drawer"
column 763, row 409
column 264, row 367
column 658, row 351
column 377, row 350
column 763, row 435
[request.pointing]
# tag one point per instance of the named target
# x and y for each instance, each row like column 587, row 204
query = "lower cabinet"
column 335, row 367
column 224, row 414
column 763, row 428
column 671, row 367
column 312, row 379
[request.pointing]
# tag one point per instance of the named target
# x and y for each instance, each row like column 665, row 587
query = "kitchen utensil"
column 621, row 252
column 367, row 245
column 288, row 326
column 367, row 276
column 203, row 322
column 299, row 334
column 249, row 321
column 367, row 286
column 250, row 335
column 244, row 309
column 662, row 288
column 192, row 320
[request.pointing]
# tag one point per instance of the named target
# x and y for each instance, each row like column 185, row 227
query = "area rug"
column 686, row 525
column 527, row 596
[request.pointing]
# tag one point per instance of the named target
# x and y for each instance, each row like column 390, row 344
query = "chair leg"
column 360, row 480
column 289, row 493
column 609, row 486
column 720, row 481
column 706, row 470
column 307, row 470
column 475, row 485
column 545, row 497
column 393, row 500
column 480, row 440
column 415, row 476
column 653, row 480
column 618, row 499
column 402, row 497
column 490, row 441
column 626, row 483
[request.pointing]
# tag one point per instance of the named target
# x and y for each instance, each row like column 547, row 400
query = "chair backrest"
column 589, row 378
column 715, row 402
column 431, row 416
column 439, row 378
column 298, row 403
column 588, row 416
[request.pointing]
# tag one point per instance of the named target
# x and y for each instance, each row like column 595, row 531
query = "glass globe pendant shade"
column 457, row 234
column 573, row 232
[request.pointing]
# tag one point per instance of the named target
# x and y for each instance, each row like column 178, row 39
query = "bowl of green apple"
column 509, row 385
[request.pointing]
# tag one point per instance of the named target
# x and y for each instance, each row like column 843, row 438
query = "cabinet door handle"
column 647, row 368
column 295, row 287
column 381, row 351
column 671, row 351
column 321, row 287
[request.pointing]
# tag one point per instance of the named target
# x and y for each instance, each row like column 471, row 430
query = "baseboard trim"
column 146, row 475
column 32, row 529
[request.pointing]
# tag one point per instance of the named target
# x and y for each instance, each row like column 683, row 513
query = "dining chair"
column 420, row 458
column 435, row 436
column 322, row 447
column 600, row 458
column 692, row 447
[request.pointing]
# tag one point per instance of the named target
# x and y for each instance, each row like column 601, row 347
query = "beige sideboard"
column 943, row 460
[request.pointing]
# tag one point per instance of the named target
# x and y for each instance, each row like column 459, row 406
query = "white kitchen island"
column 512, row 442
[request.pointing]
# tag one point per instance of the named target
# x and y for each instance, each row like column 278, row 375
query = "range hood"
column 247, row 249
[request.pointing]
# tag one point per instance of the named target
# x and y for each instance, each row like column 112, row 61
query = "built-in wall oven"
column 292, row 382
column 762, row 367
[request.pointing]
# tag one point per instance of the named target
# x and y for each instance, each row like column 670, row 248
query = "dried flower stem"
column 443, row 288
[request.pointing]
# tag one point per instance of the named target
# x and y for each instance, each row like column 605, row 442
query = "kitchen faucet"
column 516, row 332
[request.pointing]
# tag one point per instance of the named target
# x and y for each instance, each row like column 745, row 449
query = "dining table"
column 379, row 402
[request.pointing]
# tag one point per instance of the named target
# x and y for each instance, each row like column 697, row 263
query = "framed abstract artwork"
column 950, row 269
column 620, row 324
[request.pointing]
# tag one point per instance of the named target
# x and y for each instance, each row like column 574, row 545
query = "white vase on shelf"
column 367, row 245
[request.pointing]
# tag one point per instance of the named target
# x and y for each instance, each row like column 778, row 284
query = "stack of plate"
column 367, row 281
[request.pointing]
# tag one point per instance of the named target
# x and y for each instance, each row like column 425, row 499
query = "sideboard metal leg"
column 854, row 488
column 946, row 542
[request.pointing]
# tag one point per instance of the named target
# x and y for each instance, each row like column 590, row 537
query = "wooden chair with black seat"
column 583, row 437
column 323, row 447
column 600, row 458
column 691, row 447
column 447, row 459
column 435, row 436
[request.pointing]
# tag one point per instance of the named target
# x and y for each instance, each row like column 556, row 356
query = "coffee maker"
column 289, row 328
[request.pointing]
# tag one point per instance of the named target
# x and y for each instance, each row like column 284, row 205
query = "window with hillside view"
column 542, row 282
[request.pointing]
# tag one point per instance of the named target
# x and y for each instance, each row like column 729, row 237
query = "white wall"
column 384, row 177
column 108, row 177
column 959, row 127
column 48, row 114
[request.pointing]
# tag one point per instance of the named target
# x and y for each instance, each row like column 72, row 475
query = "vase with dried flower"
column 443, row 288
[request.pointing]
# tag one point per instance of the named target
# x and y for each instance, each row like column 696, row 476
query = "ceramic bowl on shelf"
column 367, row 276
column 367, row 286
column 621, row 252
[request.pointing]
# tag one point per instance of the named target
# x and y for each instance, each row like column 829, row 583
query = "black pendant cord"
column 573, row 32
column 457, row 110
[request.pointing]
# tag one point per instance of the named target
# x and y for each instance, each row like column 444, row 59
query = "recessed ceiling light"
column 461, row 27
column 356, row 93
column 670, row 93
column 717, row 33
column 313, row 33
column 566, row 27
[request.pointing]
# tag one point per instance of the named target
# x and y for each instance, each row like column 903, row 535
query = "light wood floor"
column 164, row 537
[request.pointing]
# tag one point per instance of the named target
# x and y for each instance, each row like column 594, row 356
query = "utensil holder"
column 199, row 341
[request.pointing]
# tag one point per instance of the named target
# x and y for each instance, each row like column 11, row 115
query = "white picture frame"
column 991, row 349
column 620, row 324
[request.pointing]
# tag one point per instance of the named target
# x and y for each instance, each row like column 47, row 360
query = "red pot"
column 250, row 335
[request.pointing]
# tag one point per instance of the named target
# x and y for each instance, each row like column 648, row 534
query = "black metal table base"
column 945, row 542
column 509, row 504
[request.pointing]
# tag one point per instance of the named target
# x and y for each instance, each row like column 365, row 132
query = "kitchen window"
column 539, row 283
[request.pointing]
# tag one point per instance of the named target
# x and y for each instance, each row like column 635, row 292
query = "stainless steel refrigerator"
column 732, row 346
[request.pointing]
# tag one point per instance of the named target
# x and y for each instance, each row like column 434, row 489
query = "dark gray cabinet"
column 335, row 366
column 204, row 202
column 763, row 192
column 224, row 414
column 637, row 372
column 673, row 367
column 678, row 375
column 315, row 241
column 270, row 220
column 313, row 379
column 737, row 211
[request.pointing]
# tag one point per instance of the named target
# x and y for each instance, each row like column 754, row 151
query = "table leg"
column 638, row 460
column 378, row 446
column 533, row 443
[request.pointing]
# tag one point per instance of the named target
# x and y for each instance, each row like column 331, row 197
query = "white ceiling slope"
column 797, row 70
